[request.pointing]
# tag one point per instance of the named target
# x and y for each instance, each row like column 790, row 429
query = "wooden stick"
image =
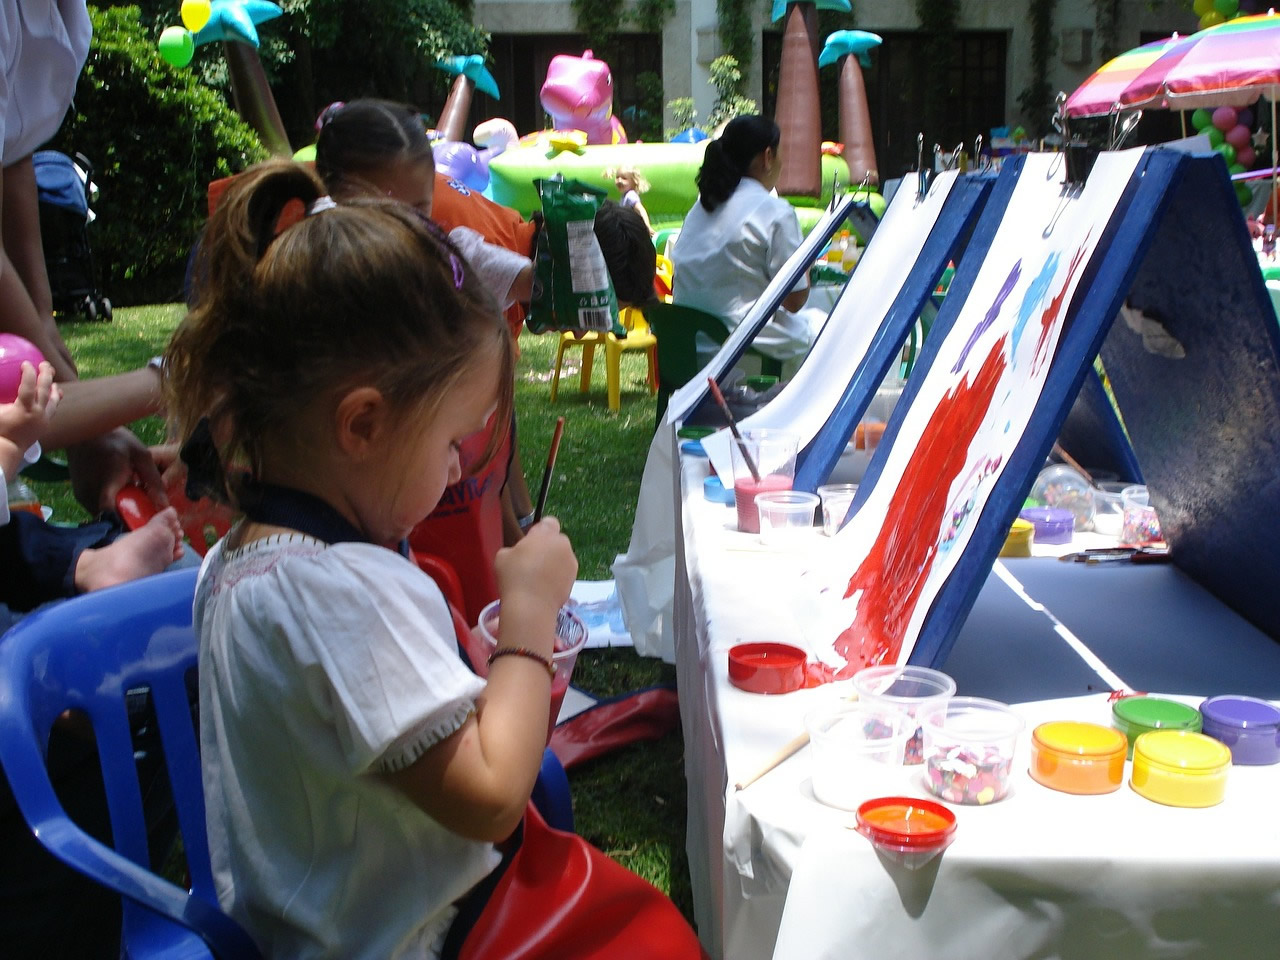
column 551, row 463
column 1073, row 463
column 733, row 428
column 785, row 752
column 788, row 750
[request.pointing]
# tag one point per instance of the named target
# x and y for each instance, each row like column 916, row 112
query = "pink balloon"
column 1224, row 118
column 13, row 350
column 1238, row 136
column 1246, row 157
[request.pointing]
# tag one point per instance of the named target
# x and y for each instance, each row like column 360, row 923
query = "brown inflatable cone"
column 252, row 96
column 855, row 123
column 798, row 113
column 453, row 115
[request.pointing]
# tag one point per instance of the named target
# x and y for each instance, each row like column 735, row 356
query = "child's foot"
column 144, row 551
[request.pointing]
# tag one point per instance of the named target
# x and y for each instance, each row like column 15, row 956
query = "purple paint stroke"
column 990, row 318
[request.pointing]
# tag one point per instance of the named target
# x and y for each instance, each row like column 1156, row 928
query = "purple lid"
column 1248, row 713
column 1051, row 517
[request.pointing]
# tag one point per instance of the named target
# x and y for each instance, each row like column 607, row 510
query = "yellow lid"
column 1182, row 750
column 1083, row 739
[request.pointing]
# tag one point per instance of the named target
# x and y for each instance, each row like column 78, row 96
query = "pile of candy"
column 962, row 774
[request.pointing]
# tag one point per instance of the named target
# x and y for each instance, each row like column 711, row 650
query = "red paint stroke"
column 1050, row 315
column 894, row 572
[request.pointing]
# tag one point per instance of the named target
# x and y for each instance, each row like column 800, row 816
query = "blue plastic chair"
column 87, row 654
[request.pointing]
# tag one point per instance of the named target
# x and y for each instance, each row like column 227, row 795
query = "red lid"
column 906, row 822
column 767, row 667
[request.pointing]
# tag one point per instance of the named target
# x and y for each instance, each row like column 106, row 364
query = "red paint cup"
column 571, row 637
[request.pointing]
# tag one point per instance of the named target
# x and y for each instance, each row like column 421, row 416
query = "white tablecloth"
column 1040, row 874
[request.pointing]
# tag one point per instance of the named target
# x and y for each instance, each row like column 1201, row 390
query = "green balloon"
column 1228, row 152
column 1216, row 137
column 1236, row 168
column 1227, row 8
column 1201, row 118
column 177, row 46
column 1243, row 194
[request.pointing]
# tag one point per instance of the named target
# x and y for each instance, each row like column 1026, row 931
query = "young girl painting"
column 357, row 774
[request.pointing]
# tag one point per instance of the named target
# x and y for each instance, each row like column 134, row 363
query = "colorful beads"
column 969, row 775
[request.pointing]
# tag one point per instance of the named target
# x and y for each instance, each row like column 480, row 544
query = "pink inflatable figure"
column 578, row 94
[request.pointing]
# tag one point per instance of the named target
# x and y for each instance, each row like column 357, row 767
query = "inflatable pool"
column 670, row 168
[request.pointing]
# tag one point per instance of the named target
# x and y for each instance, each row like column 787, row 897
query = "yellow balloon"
column 195, row 14
column 1211, row 19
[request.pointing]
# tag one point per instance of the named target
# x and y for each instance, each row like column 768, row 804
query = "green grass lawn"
column 630, row 804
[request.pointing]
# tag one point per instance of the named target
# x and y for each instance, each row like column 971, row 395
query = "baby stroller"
column 63, row 186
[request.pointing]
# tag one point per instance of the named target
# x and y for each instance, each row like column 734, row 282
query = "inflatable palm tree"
column 470, row 74
column 235, row 24
column 849, row 49
column 798, row 113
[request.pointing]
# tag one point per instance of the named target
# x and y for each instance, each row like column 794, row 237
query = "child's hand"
column 24, row 421
column 538, row 571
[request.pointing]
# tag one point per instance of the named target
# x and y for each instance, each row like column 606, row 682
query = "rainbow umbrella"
column 1100, row 93
column 1230, row 64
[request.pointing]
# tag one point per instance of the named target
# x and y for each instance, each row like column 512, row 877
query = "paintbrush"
column 551, row 463
column 785, row 752
column 733, row 428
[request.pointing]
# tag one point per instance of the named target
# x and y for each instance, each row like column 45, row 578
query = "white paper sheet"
column 806, row 401
column 684, row 399
column 880, row 574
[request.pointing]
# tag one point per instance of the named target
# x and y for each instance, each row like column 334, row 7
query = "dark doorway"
column 896, row 93
column 520, row 64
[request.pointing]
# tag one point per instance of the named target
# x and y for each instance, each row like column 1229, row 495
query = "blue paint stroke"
column 1036, row 293
column 990, row 318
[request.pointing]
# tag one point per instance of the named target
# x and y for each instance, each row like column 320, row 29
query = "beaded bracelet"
column 524, row 652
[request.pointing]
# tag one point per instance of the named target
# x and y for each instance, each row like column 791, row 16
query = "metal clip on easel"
column 980, row 163
column 923, row 175
column 1121, row 127
column 1079, row 156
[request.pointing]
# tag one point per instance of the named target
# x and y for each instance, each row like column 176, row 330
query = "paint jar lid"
column 1079, row 739
column 767, row 667
column 1183, row 751
column 694, row 433
column 909, row 829
column 1246, row 713
column 713, row 489
column 693, row 447
column 1136, row 714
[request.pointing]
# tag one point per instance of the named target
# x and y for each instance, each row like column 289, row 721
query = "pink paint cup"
column 571, row 637
column 773, row 454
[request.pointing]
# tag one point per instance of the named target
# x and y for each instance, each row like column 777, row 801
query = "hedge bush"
column 156, row 137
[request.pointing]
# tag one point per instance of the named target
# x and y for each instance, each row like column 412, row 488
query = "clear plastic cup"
column 969, row 744
column 1140, row 524
column 912, row 690
column 772, row 454
column 857, row 750
column 786, row 516
column 836, row 500
column 571, row 637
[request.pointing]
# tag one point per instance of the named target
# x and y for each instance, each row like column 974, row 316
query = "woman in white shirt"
column 739, row 234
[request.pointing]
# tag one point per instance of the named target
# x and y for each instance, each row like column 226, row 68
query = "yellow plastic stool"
column 638, row 337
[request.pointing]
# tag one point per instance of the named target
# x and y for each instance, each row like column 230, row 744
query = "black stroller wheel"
column 104, row 307
column 90, row 309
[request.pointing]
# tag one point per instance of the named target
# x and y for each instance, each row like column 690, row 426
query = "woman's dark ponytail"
column 729, row 156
